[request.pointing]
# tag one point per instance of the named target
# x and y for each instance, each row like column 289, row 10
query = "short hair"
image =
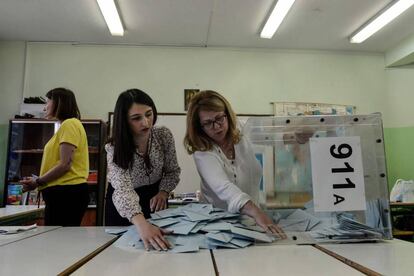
column 122, row 138
column 195, row 138
column 65, row 106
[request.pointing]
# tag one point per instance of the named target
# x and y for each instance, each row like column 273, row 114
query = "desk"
column 279, row 260
column 6, row 239
column 393, row 257
column 116, row 261
column 18, row 214
column 58, row 251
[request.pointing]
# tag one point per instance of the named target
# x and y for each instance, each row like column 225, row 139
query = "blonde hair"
column 195, row 138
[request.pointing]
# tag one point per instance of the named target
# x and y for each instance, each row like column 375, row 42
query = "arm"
column 66, row 154
column 171, row 171
column 126, row 201
column 212, row 172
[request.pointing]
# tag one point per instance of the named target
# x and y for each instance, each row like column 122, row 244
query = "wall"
column 249, row 78
column 11, row 87
column 399, row 135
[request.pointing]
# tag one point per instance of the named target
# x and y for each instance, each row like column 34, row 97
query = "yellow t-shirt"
column 72, row 132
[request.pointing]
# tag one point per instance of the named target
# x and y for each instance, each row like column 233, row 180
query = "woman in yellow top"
column 65, row 163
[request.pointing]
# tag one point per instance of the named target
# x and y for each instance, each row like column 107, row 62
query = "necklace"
column 228, row 150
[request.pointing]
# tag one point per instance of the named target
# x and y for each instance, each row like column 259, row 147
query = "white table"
column 393, row 257
column 279, row 260
column 116, row 261
column 16, row 211
column 10, row 238
column 53, row 252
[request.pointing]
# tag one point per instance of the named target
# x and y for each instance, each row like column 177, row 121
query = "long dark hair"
column 122, row 138
column 65, row 106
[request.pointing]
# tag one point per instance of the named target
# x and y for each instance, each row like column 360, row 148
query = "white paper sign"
column 337, row 174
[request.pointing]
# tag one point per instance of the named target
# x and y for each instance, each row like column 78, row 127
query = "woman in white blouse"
column 142, row 167
column 229, row 171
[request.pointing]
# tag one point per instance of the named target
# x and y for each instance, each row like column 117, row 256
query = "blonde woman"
column 224, row 158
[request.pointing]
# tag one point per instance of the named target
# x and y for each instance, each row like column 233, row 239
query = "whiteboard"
column 189, row 178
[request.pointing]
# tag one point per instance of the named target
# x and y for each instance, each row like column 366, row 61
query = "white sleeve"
column 211, row 170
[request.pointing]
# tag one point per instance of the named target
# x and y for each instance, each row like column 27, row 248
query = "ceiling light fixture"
column 279, row 12
column 110, row 13
column 382, row 19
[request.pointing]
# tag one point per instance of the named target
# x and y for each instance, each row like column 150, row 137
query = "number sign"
column 337, row 174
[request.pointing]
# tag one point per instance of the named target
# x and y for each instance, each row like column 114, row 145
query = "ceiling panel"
column 311, row 24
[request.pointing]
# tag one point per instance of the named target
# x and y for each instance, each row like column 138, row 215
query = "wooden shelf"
column 91, row 150
column 28, row 151
column 401, row 204
column 397, row 232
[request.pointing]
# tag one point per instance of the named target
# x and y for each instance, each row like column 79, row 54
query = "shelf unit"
column 27, row 138
column 401, row 209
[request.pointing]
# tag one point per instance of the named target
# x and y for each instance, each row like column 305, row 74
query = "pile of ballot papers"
column 200, row 226
column 324, row 227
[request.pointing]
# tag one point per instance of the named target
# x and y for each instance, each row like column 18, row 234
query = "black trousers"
column 65, row 204
column 145, row 193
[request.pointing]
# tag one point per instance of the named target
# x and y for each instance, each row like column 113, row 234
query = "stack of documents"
column 299, row 221
column 200, row 226
column 7, row 230
column 347, row 229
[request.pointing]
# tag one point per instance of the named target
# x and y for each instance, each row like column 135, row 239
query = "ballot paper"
column 7, row 230
column 199, row 226
column 116, row 231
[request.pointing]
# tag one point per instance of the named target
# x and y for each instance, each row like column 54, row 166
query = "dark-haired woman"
column 142, row 167
column 65, row 163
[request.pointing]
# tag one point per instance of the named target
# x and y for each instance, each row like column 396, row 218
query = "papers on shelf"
column 6, row 230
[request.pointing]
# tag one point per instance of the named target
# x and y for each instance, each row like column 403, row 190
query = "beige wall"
column 250, row 79
column 11, row 78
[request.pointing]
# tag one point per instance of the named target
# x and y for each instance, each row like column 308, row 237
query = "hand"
column 267, row 224
column 29, row 184
column 262, row 219
column 159, row 201
column 152, row 235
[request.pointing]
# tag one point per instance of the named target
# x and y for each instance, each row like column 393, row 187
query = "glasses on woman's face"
column 219, row 120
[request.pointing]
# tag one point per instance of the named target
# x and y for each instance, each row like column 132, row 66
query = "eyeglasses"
column 219, row 120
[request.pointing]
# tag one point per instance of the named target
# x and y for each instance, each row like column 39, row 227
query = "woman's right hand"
column 29, row 184
column 151, row 235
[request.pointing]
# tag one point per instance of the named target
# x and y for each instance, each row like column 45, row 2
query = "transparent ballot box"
column 324, row 177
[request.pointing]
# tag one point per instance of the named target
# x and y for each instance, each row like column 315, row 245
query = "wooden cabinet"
column 27, row 138
column 402, row 215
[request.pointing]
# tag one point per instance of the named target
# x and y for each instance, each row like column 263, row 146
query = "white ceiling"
column 310, row 24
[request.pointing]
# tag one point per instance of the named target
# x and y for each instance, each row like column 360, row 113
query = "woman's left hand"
column 159, row 201
column 29, row 184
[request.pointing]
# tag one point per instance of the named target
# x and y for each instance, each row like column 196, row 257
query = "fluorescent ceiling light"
column 385, row 17
column 111, row 16
column 279, row 12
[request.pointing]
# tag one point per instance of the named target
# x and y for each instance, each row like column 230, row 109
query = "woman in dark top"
column 142, row 167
